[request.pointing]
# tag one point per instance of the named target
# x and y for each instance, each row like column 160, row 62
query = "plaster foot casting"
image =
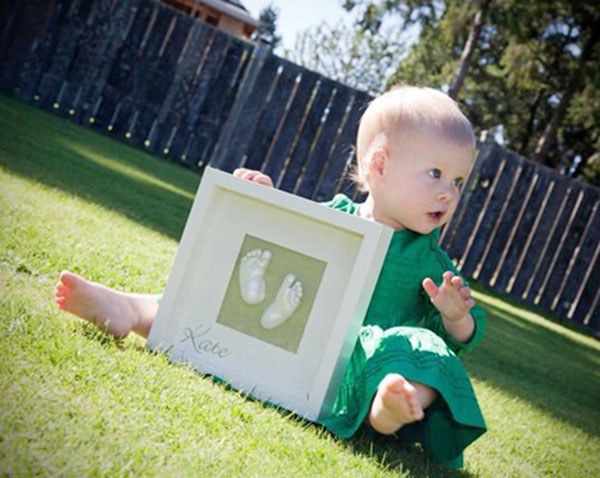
column 285, row 304
column 252, row 270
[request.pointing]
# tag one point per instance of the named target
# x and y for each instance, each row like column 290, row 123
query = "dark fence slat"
column 592, row 319
column 34, row 38
column 97, row 47
column 552, row 246
column 119, row 20
column 271, row 120
column 513, row 209
column 23, row 27
column 586, row 308
column 144, row 100
column 54, row 82
column 95, row 27
column 502, row 184
column 476, row 193
column 218, row 103
column 523, row 234
column 485, row 196
column 252, row 110
column 222, row 158
column 535, row 259
column 548, row 196
column 307, row 135
column 276, row 162
column 116, row 95
column 319, row 155
column 552, row 299
column 142, row 74
column 333, row 170
column 206, row 77
column 36, row 63
column 140, row 129
column 8, row 14
column 184, row 57
column 582, row 260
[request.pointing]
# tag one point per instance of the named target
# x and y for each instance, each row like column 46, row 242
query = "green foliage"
column 267, row 29
column 528, row 57
column 528, row 53
column 360, row 59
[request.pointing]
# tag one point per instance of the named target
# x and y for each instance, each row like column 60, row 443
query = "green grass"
column 73, row 402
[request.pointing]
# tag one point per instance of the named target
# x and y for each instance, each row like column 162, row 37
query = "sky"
column 298, row 15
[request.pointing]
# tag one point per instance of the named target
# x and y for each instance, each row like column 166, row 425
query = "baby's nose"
column 445, row 194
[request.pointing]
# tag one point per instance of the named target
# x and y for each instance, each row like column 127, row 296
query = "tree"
column 360, row 59
column 529, row 73
column 426, row 14
column 469, row 49
column 574, row 83
column 267, row 29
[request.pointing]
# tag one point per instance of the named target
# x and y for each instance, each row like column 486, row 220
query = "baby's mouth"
column 436, row 216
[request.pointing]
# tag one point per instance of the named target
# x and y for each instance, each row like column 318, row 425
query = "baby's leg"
column 114, row 312
column 398, row 402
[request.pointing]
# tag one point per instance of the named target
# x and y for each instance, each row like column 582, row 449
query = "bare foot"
column 113, row 312
column 396, row 404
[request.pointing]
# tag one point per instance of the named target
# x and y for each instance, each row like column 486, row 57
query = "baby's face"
column 422, row 181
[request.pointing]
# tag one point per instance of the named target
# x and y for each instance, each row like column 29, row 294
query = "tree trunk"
column 467, row 54
column 548, row 138
column 529, row 128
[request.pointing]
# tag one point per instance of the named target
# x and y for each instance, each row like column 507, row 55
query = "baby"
column 414, row 152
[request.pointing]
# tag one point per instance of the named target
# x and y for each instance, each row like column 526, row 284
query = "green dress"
column 403, row 333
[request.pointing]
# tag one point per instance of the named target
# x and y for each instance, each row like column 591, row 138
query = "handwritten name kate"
column 202, row 344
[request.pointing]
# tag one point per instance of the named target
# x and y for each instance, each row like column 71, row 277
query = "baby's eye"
column 458, row 182
column 435, row 173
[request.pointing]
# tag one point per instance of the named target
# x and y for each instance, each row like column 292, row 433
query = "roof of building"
column 233, row 8
column 236, row 3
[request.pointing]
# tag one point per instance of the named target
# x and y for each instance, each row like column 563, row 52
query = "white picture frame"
column 203, row 318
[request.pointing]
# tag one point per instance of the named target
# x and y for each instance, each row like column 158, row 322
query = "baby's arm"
column 453, row 300
column 254, row 176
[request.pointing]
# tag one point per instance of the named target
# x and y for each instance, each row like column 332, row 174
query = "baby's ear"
column 377, row 164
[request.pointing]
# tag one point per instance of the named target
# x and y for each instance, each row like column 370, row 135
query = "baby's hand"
column 452, row 298
column 254, row 176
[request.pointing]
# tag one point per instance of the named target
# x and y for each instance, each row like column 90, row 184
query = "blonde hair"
column 405, row 108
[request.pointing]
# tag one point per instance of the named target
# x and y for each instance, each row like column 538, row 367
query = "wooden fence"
column 530, row 234
column 155, row 78
column 152, row 77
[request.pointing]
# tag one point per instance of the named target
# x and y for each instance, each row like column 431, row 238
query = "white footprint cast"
column 285, row 304
column 252, row 272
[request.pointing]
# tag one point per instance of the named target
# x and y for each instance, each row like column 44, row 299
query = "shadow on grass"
column 553, row 372
column 60, row 154
column 397, row 456
column 388, row 452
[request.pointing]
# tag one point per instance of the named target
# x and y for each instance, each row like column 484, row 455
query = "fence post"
column 221, row 151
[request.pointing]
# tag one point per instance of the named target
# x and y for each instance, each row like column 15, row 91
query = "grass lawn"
column 73, row 402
